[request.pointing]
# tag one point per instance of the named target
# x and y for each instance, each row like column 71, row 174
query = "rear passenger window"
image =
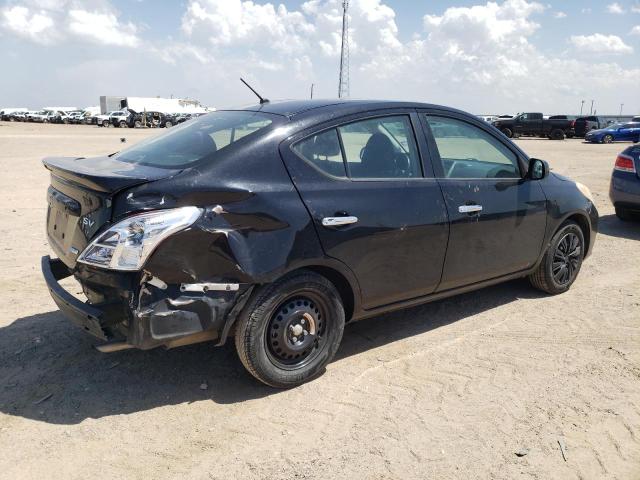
column 382, row 147
column 323, row 151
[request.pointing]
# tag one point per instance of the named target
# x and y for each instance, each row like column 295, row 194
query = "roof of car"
column 291, row 108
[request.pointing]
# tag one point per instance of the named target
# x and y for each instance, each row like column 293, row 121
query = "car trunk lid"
column 80, row 198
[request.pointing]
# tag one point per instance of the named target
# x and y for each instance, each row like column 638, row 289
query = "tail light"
column 624, row 163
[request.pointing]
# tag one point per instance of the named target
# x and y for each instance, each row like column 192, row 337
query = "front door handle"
column 469, row 208
column 338, row 221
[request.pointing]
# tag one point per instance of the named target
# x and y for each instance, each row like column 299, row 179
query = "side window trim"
column 435, row 153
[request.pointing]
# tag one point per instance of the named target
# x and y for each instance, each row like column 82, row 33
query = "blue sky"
column 485, row 57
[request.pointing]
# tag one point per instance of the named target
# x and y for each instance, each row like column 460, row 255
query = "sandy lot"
column 449, row 390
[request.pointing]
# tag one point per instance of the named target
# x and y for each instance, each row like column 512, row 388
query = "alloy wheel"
column 566, row 259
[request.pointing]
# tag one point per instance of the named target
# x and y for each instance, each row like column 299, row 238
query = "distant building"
column 151, row 104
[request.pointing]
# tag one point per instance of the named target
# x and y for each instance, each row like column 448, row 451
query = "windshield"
column 615, row 126
column 195, row 140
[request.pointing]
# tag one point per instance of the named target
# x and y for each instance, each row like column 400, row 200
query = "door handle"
column 338, row 221
column 469, row 208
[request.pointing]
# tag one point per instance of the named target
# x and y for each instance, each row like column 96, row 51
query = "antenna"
column 262, row 100
column 343, row 84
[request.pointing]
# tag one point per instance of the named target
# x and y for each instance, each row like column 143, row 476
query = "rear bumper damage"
column 155, row 315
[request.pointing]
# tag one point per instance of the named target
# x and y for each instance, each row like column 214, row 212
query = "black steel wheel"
column 507, row 132
column 290, row 330
column 562, row 260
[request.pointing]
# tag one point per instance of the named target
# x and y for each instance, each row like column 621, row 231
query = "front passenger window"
column 467, row 151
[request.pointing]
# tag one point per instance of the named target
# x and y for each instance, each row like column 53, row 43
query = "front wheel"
column 508, row 133
column 607, row 139
column 290, row 330
column 561, row 262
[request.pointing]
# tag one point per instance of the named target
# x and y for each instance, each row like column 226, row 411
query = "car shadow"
column 49, row 371
column 614, row 227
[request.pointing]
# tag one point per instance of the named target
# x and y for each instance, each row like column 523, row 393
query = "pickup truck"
column 536, row 125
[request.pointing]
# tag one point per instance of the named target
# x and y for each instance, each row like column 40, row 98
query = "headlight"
column 128, row 244
column 585, row 191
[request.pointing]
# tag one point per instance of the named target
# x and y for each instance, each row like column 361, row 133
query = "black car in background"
column 624, row 190
column 534, row 124
column 278, row 223
column 584, row 125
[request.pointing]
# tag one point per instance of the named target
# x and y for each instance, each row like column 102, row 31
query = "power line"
column 343, row 84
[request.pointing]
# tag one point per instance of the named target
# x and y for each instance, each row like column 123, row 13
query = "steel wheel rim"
column 566, row 259
column 297, row 330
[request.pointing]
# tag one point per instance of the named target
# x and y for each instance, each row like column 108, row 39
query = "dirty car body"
column 235, row 201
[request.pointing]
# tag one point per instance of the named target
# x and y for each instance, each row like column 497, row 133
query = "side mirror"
column 538, row 169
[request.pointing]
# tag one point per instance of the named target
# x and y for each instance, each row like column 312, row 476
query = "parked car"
column 34, row 116
column 278, row 223
column 624, row 190
column 584, row 125
column 635, row 119
column 616, row 132
column 534, row 124
column 17, row 116
column 101, row 120
column 120, row 118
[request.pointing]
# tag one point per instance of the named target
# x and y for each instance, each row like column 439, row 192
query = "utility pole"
column 591, row 110
column 312, row 91
column 343, row 83
column 621, row 105
column 581, row 106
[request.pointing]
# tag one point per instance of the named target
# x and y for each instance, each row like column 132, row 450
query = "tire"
column 168, row 124
column 137, row 124
column 552, row 278
column 122, row 124
column 508, row 133
column 607, row 139
column 105, row 123
column 557, row 134
column 623, row 214
column 271, row 330
column 571, row 135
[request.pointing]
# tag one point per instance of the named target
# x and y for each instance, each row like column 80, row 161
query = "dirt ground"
column 450, row 390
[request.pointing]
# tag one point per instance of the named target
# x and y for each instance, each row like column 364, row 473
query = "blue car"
column 616, row 132
column 624, row 190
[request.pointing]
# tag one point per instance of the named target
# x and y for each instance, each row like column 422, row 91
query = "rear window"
column 196, row 139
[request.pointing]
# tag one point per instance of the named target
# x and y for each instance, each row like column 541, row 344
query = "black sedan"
column 624, row 189
column 278, row 223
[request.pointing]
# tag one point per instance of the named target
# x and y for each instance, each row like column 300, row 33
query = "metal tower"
column 343, row 84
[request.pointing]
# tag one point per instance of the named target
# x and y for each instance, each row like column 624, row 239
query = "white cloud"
column 103, row 28
column 635, row 30
column 599, row 43
column 635, row 8
column 615, row 8
column 55, row 21
column 559, row 15
column 35, row 26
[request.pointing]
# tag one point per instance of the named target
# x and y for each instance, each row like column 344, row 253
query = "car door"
column 497, row 217
column 373, row 206
column 628, row 132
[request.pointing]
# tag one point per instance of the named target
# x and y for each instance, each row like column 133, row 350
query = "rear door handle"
column 469, row 208
column 338, row 221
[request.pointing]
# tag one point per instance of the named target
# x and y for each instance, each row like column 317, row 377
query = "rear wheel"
column 607, row 139
column 507, row 132
column 137, row 124
column 561, row 262
column 290, row 330
column 105, row 123
column 168, row 124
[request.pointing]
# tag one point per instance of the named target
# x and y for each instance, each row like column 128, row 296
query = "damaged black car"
column 277, row 224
